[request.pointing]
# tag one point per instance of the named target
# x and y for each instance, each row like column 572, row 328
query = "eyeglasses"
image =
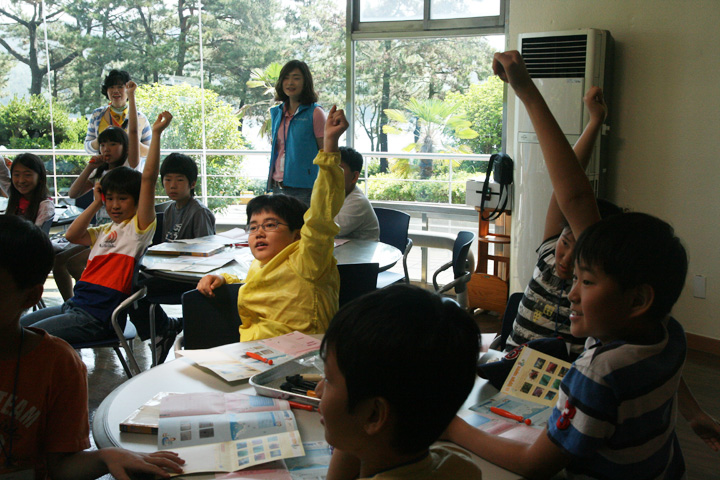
column 269, row 226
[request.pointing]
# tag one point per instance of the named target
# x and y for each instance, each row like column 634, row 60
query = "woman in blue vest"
column 297, row 133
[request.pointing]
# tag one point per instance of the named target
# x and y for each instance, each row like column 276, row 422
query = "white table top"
column 182, row 376
column 353, row 251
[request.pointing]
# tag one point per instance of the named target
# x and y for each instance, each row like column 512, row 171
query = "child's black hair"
column 288, row 209
column 117, row 135
column 413, row 348
column 637, row 249
column 122, row 180
column 40, row 192
column 308, row 94
column 115, row 77
column 352, row 158
column 180, row 164
column 25, row 251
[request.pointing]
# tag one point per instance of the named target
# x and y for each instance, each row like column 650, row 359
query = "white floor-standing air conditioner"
column 563, row 65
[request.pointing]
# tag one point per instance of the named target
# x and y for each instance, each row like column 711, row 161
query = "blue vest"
column 300, row 147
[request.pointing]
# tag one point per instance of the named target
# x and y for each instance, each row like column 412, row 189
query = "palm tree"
column 434, row 124
column 265, row 78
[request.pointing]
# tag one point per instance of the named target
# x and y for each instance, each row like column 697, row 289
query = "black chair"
column 394, row 231
column 511, row 309
column 84, row 201
column 356, row 279
column 462, row 272
column 209, row 322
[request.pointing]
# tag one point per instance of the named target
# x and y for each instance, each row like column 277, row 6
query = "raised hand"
column 595, row 102
column 510, row 67
column 162, row 122
column 335, row 126
column 130, row 88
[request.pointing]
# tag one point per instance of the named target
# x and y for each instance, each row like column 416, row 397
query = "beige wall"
column 665, row 138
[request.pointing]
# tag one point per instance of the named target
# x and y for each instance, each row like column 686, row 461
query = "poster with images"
column 536, row 377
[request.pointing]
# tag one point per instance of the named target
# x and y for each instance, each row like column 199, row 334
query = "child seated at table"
column 293, row 283
column 129, row 198
column 399, row 363
column 43, row 383
column 615, row 415
column 184, row 217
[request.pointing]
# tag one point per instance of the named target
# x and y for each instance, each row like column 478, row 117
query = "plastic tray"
column 268, row 383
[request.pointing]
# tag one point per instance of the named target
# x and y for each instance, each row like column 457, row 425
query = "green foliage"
column 185, row 132
column 483, row 107
column 25, row 123
column 386, row 186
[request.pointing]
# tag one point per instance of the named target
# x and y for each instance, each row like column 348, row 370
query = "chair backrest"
column 511, row 309
column 46, row 226
column 210, row 322
column 158, row 236
column 84, row 200
column 356, row 279
column 461, row 247
column 393, row 227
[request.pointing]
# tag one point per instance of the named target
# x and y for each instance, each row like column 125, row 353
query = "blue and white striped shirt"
column 617, row 407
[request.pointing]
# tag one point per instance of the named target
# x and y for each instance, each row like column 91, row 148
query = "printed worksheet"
column 231, row 362
column 230, row 441
column 536, row 377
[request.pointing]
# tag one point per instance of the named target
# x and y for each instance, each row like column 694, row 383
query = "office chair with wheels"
column 394, row 231
column 210, row 322
column 462, row 268
column 356, row 279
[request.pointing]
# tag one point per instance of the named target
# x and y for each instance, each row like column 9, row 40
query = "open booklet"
column 225, row 432
column 231, row 363
column 530, row 391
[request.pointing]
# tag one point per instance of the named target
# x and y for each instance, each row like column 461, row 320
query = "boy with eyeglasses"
column 293, row 284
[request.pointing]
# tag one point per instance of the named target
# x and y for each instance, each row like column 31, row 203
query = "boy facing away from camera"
column 293, row 284
column 43, row 382
column 399, row 363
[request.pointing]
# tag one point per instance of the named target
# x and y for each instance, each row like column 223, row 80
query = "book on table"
column 178, row 248
column 530, row 391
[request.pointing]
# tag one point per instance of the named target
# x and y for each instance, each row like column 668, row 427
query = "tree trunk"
column 384, row 104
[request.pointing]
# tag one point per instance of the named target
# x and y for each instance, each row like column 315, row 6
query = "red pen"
column 258, row 357
column 512, row 416
column 302, row 406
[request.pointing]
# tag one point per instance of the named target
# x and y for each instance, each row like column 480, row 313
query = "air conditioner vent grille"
column 555, row 57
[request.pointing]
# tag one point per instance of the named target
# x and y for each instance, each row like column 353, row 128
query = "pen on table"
column 302, row 406
column 289, row 387
column 258, row 357
column 512, row 416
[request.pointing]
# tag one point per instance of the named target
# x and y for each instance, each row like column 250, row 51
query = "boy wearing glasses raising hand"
column 293, row 283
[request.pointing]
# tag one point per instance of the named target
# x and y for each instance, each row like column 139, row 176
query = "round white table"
column 353, row 251
column 181, row 375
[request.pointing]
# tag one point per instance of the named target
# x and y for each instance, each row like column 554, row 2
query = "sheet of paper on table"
column 530, row 391
column 341, row 241
column 230, row 237
column 193, row 264
column 231, row 363
column 200, row 249
column 224, row 432
column 313, row 466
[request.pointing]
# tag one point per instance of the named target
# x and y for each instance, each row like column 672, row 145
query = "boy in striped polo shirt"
column 615, row 415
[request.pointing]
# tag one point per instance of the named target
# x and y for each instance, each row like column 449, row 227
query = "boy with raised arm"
column 129, row 198
column 615, row 415
column 293, row 283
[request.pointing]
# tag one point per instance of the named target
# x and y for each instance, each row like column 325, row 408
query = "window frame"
column 426, row 27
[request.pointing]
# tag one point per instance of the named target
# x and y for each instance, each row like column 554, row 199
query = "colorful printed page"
column 503, row 428
column 536, row 377
column 538, row 414
column 231, row 441
column 313, row 466
column 231, row 362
